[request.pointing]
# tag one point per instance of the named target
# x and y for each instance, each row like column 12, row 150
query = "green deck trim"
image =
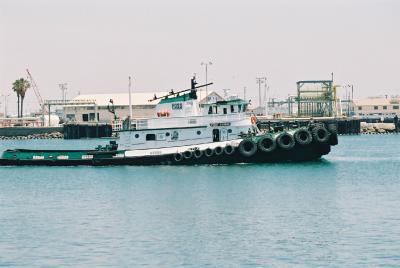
column 184, row 97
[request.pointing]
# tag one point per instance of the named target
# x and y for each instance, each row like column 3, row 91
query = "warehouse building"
column 105, row 104
column 383, row 107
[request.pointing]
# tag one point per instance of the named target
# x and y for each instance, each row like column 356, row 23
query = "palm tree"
column 20, row 86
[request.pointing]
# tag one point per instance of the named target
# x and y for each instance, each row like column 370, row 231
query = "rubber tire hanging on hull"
column 218, row 150
column 247, row 148
column 320, row 134
column 266, row 144
column 178, row 157
column 303, row 136
column 208, row 152
column 285, row 141
column 197, row 153
column 187, row 154
column 229, row 149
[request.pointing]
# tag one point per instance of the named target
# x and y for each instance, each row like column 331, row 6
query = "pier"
column 344, row 126
column 82, row 131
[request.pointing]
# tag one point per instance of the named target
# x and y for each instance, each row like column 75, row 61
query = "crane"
column 36, row 90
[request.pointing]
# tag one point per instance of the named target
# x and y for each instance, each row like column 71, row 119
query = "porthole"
column 229, row 130
column 136, row 136
column 198, row 132
column 167, row 134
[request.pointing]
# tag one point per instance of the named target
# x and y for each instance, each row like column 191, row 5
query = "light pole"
column 130, row 102
column 352, row 97
column 206, row 64
column 63, row 87
column 5, row 104
column 260, row 80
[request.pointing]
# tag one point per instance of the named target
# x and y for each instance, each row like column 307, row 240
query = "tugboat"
column 187, row 132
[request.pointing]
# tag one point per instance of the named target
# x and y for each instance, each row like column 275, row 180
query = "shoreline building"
column 377, row 107
column 107, row 104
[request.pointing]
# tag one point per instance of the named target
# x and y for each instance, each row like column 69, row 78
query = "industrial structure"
column 316, row 98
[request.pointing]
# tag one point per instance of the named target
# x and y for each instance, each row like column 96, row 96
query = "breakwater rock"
column 52, row 135
column 377, row 128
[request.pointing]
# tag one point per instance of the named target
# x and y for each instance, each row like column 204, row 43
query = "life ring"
column 253, row 119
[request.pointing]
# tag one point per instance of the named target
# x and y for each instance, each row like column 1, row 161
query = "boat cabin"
column 180, row 120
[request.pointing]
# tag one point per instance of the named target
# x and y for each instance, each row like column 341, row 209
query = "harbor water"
column 341, row 211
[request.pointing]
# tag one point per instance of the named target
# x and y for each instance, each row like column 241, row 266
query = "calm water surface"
column 342, row 211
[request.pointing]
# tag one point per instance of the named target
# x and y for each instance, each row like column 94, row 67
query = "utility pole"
column 206, row 64
column 63, row 88
column 130, row 103
column 260, row 80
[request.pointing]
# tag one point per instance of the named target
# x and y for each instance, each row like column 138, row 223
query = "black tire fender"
column 285, row 141
column 218, row 150
column 208, row 152
column 229, row 149
column 197, row 153
column 320, row 134
column 178, row 157
column 303, row 136
column 266, row 144
column 187, row 154
column 247, row 147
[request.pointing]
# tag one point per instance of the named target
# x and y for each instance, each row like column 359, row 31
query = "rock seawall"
column 52, row 135
column 377, row 128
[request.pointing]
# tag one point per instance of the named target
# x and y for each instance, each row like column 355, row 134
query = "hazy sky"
column 95, row 45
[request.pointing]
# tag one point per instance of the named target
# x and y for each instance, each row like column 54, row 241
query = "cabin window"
column 229, row 130
column 359, row 108
column 92, row 117
column 71, row 117
column 395, row 107
column 210, row 110
column 375, row 107
column 215, row 110
column 136, row 136
column 232, row 109
column 239, row 108
column 167, row 134
column 150, row 137
column 198, row 132
column 384, row 107
column 225, row 110
column 85, row 117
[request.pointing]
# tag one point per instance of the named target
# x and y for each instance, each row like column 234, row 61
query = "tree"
column 20, row 86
